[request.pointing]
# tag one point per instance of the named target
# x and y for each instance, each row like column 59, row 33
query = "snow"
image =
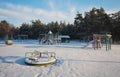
column 74, row 59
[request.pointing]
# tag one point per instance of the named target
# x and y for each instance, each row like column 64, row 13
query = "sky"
column 17, row 12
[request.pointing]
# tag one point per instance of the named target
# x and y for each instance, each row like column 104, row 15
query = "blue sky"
column 17, row 12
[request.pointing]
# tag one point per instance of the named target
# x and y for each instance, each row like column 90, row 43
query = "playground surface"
column 74, row 59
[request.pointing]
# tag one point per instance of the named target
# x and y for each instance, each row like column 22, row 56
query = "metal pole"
column 106, row 42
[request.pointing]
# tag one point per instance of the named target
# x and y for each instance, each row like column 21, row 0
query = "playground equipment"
column 65, row 38
column 22, row 37
column 98, row 41
column 49, row 38
column 42, row 38
column 46, row 38
column 57, row 39
column 40, row 58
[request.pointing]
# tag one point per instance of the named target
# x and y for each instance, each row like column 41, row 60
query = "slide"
column 90, row 42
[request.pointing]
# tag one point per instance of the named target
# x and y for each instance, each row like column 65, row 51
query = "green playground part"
column 106, row 42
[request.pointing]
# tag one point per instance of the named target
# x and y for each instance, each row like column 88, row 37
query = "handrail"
column 40, row 53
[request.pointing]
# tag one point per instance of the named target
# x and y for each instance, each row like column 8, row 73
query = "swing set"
column 98, row 41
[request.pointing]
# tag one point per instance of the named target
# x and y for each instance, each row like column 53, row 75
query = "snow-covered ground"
column 74, row 59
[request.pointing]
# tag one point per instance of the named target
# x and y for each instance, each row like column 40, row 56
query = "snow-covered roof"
column 64, row 36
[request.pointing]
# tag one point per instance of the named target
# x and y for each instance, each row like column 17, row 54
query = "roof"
column 64, row 36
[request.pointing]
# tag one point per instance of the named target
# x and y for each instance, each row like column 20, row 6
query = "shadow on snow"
column 12, row 60
column 21, row 60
